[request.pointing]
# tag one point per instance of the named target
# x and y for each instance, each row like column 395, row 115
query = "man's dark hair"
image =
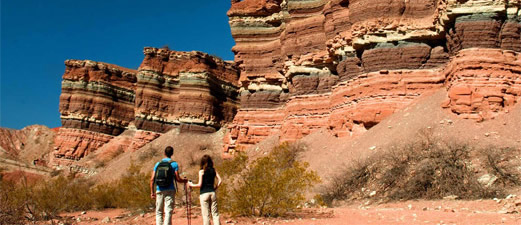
column 169, row 151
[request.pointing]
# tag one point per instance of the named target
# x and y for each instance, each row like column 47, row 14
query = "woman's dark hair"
column 206, row 162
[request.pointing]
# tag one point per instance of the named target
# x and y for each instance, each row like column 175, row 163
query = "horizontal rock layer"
column 483, row 83
column 192, row 91
column 346, row 65
column 189, row 90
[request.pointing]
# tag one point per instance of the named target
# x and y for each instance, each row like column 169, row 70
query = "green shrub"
column 271, row 186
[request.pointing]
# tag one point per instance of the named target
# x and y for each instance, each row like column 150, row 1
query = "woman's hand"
column 153, row 195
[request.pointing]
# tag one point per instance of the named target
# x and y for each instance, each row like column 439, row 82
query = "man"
column 165, row 190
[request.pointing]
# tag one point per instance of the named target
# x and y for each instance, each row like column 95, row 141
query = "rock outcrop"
column 346, row 65
column 192, row 91
column 301, row 66
column 27, row 145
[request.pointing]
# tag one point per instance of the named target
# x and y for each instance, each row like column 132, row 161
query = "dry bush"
column 132, row 191
column 500, row 162
column 12, row 203
column 425, row 168
column 45, row 200
column 270, row 186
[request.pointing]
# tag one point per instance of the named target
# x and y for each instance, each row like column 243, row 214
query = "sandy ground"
column 410, row 212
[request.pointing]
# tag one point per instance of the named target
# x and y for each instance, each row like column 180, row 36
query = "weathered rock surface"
column 301, row 66
column 27, row 145
column 192, row 91
column 346, row 65
column 483, row 83
column 189, row 90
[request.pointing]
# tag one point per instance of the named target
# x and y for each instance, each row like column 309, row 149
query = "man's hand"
column 153, row 195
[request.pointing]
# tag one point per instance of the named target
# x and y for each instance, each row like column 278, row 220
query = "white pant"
column 209, row 199
column 164, row 200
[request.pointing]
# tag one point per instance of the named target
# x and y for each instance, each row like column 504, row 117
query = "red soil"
column 411, row 212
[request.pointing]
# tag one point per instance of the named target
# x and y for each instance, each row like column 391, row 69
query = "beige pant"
column 165, row 200
column 207, row 200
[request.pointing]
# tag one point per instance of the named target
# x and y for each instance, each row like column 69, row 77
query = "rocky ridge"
column 302, row 66
column 189, row 91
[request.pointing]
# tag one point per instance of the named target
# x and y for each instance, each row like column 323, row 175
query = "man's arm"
column 152, row 191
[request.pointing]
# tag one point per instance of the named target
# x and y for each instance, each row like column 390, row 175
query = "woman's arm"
column 200, row 182
column 219, row 180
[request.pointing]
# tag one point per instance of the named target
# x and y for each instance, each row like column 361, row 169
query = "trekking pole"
column 188, row 204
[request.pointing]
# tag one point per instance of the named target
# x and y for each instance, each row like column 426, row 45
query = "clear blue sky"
column 37, row 36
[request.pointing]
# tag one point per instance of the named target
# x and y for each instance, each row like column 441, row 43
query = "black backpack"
column 164, row 174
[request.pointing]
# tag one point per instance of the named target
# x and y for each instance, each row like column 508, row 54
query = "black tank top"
column 208, row 181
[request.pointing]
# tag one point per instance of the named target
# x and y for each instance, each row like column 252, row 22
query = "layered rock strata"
column 346, row 65
column 192, row 91
column 96, row 104
column 483, row 83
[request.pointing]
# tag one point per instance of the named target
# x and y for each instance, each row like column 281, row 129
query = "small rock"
column 451, row 197
column 409, row 206
column 372, row 148
column 510, row 196
column 487, row 134
column 106, row 220
column 78, row 219
column 83, row 213
column 373, row 193
column 449, row 210
column 425, row 208
column 389, row 127
column 487, row 180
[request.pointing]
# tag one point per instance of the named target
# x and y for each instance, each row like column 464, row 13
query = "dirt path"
column 411, row 212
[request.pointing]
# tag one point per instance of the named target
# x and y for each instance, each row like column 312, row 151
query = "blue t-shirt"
column 175, row 167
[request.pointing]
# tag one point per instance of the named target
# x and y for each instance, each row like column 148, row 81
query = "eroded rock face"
column 191, row 91
column 483, row 83
column 346, row 65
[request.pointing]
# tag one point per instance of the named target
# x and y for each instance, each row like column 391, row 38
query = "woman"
column 208, row 198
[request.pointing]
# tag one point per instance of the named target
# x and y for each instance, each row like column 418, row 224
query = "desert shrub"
column 498, row 161
column 132, row 191
column 425, row 168
column 12, row 203
column 270, row 186
column 58, row 195
column 46, row 199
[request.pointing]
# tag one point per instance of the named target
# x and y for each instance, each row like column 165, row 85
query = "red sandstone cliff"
column 191, row 91
column 345, row 65
column 301, row 66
